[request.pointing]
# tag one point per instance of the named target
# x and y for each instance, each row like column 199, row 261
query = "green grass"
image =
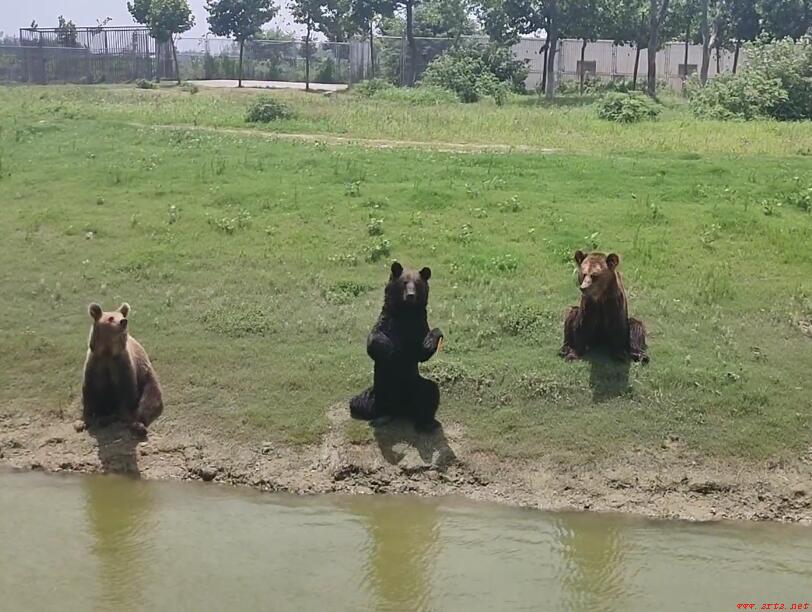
column 256, row 268
column 567, row 124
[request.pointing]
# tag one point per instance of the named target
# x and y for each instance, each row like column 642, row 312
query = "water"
column 108, row 543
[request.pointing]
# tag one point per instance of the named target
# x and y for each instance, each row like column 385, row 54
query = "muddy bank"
column 667, row 482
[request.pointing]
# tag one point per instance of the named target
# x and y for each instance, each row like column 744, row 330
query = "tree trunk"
column 704, row 29
column 685, row 61
column 371, row 49
column 659, row 9
column 239, row 82
column 411, row 72
column 583, row 54
column 175, row 59
column 546, row 50
column 552, row 42
column 736, row 56
column 157, row 62
column 636, row 65
column 307, row 59
column 718, row 58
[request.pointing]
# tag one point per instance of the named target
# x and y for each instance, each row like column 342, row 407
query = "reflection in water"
column 402, row 550
column 119, row 516
column 592, row 557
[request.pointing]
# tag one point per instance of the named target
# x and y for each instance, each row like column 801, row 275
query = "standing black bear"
column 399, row 341
column 602, row 318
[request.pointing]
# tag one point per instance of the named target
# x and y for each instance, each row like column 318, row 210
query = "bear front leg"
column 150, row 407
column 637, row 341
column 380, row 347
column 430, row 344
column 574, row 346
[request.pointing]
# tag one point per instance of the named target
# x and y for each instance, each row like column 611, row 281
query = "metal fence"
column 85, row 55
column 264, row 60
column 123, row 54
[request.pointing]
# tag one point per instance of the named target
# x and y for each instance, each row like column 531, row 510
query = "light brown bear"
column 602, row 318
column 119, row 381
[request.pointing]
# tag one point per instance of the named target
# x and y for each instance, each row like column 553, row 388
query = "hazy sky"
column 15, row 14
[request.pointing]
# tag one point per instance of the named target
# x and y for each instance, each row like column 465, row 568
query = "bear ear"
column 579, row 257
column 612, row 260
column 425, row 273
column 124, row 309
column 397, row 269
column 95, row 311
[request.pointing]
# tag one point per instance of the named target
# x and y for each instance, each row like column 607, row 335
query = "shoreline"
column 670, row 482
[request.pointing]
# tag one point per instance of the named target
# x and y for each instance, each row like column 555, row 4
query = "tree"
column 782, row 18
column 627, row 24
column 239, row 19
column 409, row 6
column 505, row 21
column 710, row 24
column 165, row 19
column 315, row 15
column 744, row 25
column 363, row 14
column 586, row 22
column 658, row 11
column 66, row 33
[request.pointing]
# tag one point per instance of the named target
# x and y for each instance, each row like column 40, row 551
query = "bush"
column 265, row 109
column 467, row 72
column 423, row 95
column 627, row 107
column 144, row 84
column 776, row 83
column 372, row 87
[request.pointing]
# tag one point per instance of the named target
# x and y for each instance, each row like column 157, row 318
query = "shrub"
column 265, row 109
column 467, row 72
column 627, row 107
column 776, row 83
column 743, row 96
column 372, row 87
column 144, row 84
column 423, row 95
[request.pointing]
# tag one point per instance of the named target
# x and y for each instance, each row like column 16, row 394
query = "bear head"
column 408, row 289
column 109, row 332
column 597, row 273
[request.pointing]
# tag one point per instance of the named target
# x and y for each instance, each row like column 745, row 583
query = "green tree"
column 658, row 12
column 587, row 22
column 744, row 25
column 363, row 15
column 316, row 16
column 165, row 20
column 782, row 18
column 505, row 22
column 239, row 19
column 66, row 33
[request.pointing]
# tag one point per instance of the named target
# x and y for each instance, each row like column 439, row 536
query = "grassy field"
column 256, row 268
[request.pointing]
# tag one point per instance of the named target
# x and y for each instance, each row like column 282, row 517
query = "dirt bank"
column 667, row 482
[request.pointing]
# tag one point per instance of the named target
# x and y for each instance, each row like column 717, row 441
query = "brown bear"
column 602, row 319
column 119, row 381
column 399, row 341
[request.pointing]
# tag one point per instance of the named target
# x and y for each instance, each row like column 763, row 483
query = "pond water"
column 109, row 543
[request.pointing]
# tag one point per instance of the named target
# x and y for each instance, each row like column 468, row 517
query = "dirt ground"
column 668, row 482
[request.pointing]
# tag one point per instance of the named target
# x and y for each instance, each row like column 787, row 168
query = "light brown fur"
column 602, row 318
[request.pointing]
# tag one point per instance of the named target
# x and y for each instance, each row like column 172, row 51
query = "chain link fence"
column 125, row 54
column 264, row 60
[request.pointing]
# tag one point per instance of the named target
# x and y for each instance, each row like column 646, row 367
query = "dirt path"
column 371, row 143
column 668, row 482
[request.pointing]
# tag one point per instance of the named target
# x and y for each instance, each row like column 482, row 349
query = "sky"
column 15, row 14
